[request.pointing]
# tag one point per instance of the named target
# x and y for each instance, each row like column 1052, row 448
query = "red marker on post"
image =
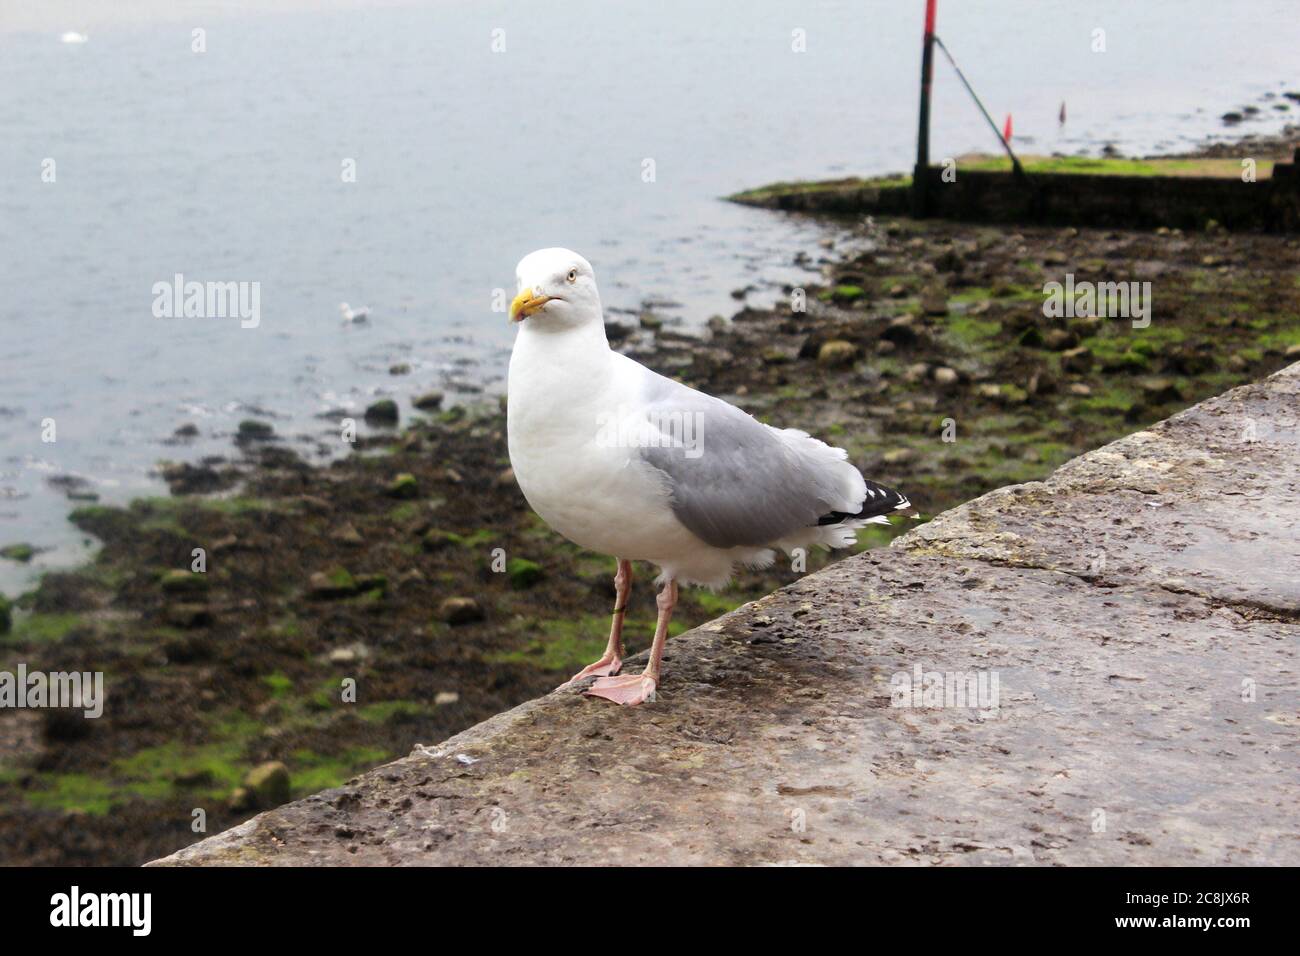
column 1006, row 129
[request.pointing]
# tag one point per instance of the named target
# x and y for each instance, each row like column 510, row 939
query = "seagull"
column 353, row 315
column 626, row 462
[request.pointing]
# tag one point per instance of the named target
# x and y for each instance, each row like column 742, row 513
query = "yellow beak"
column 525, row 304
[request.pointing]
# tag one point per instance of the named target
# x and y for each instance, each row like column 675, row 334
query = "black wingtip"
column 879, row 501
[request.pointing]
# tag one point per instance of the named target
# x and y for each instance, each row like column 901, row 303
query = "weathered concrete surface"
column 1147, row 707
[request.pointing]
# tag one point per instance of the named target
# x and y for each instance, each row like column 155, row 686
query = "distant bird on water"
column 353, row 315
column 621, row 460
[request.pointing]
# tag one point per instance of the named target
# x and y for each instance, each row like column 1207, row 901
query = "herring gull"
column 623, row 461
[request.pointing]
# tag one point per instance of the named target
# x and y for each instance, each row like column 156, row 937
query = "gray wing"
column 734, row 481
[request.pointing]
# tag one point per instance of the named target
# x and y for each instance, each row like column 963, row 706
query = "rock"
column 444, row 697
column 1032, row 338
column 184, row 582
column 240, row 800
column 188, row 615
column 1078, row 360
column 918, row 372
column 775, row 356
column 989, row 390
column 1012, row 394
column 21, row 552
column 945, row 376
column 342, row 655
column 934, row 302
column 1292, row 351
column 250, row 429
column 651, row 321
column 837, row 353
column 188, row 648
column 382, row 412
column 188, row 430
column 187, row 479
column 1041, row 382
column 403, row 486
column 6, row 615
column 437, row 539
column 347, row 534
column 1054, row 257
column 1130, row 362
column 1086, row 325
column 901, row 330
column 506, row 479
column 335, row 583
column 193, row 777
column 65, row 724
column 371, row 582
column 1191, row 362
column 617, row 331
column 1058, row 340
column 523, row 573
column 1078, row 388
column 460, row 610
column 948, row 261
column 268, row 785
column 428, row 402
column 401, row 368
column 813, row 343
column 314, row 504
column 1159, row 391
column 885, row 347
column 898, row 456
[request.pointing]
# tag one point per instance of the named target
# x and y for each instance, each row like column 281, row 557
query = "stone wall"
column 1184, row 202
column 1132, row 623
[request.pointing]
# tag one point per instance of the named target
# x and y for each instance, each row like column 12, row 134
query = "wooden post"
column 920, row 203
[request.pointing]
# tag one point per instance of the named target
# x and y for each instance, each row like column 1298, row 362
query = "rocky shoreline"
column 412, row 571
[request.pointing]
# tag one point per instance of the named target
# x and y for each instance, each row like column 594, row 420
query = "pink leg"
column 612, row 660
column 634, row 689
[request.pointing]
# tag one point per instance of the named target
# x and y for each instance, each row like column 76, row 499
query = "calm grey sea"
column 479, row 131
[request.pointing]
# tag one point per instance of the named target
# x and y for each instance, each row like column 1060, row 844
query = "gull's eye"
column 573, row 275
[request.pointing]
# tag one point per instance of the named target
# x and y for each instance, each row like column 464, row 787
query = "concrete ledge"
column 1058, row 198
column 1140, row 611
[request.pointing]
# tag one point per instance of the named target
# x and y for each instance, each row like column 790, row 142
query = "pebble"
column 460, row 610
